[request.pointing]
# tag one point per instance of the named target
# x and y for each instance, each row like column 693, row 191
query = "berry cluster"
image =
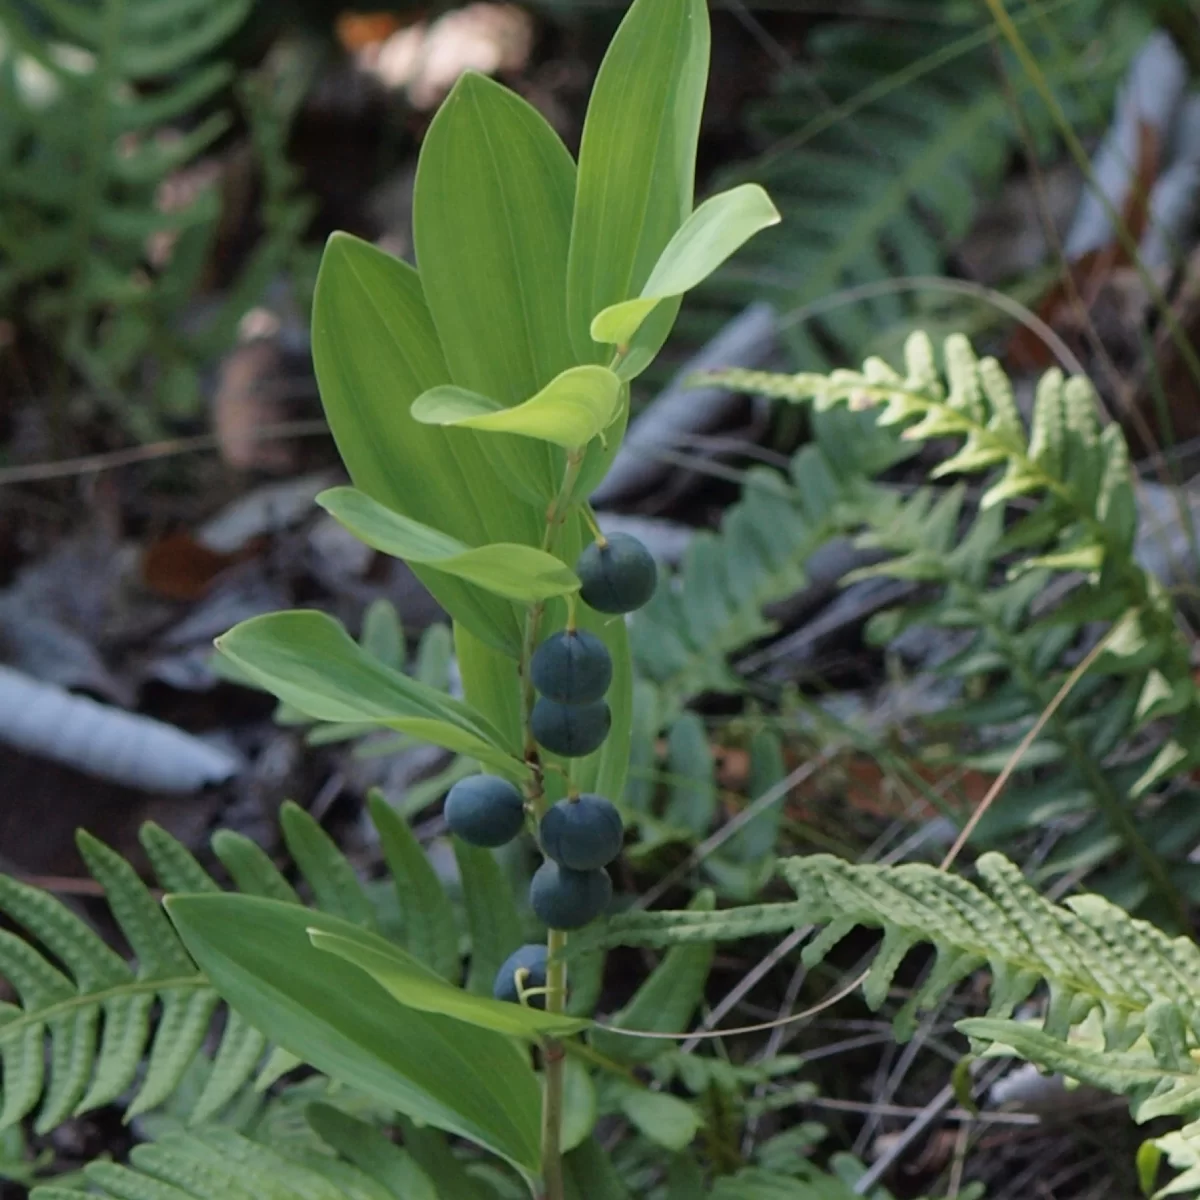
column 582, row 834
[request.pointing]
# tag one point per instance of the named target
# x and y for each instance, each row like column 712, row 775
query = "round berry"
column 572, row 667
column 618, row 576
column 531, row 959
column 582, row 833
column 572, row 730
column 485, row 810
column 565, row 899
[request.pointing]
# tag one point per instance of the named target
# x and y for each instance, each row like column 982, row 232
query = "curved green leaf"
column 258, row 955
column 309, row 661
column 521, row 573
column 637, row 164
column 714, row 232
column 491, row 226
column 416, row 987
column 569, row 411
column 375, row 349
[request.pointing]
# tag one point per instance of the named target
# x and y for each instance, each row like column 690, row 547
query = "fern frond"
column 1101, row 968
column 1084, row 523
column 117, row 1031
column 103, row 104
column 218, row 1164
column 879, row 153
column 714, row 605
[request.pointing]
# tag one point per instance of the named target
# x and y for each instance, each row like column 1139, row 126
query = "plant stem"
column 553, row 1057
column 553, row 1053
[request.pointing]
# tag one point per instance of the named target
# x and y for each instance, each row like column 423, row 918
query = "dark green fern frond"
column 1082, row 530
column 103, row 103
column 713, row 606
column 104, row 1020
column 879, row 147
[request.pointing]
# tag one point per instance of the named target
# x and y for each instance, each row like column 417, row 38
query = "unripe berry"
column 582, row 833
column 566, row 899
column 571, row 730
column 572, row 667
column 532, row 960
column 617, row 577
column 485, row 810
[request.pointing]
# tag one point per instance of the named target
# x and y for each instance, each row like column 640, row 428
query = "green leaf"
column 371, row 1152
column 259, row 957
column 714, row 232
column 375, row 350
column 663, row 1118
column 308, row 660
column 415, row 986
column 520, row 573
column 579, row 1105
column 637, row 165
column 491, row 226
column 569, row 411
column 492, row 918
column 429, row 930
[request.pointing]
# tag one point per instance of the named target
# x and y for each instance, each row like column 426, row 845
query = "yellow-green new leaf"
column 569, row 411
column 309, row 661
column 415, row 986
column 714, row 232
column 516, row 572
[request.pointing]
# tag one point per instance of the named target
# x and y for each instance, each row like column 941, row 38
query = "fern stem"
column 554, row 1057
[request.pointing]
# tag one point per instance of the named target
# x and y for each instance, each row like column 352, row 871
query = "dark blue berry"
column 485, row 810
column 572, row 667
column 571, row 730
column 565, row 899
column 582, row 833
column 617, row 577
column 532, row 960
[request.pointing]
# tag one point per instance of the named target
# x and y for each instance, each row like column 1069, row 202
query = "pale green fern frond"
column 1140, row 987
column 1083, row 525
column 117, row 1031
column 218, row 1164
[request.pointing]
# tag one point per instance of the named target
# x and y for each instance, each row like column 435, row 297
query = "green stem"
column 553, row 1058
column 553, row 1051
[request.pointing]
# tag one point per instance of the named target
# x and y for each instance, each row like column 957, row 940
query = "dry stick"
column 36, row 472
column 986, row 803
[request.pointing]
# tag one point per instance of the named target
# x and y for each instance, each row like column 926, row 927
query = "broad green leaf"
column 371, row 1152
column 637, row 164
column 429, row 931
column 491, row 225
column 375, row 351
column 415, row 987
column 589, row 1174
column 439, row 1161
column 661, row 1117
column 569, row 411
column 492, row 918
column 458, row 1077
column 714, row 232
column 308, row 660
column 579, row 1104
column 521, row 573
